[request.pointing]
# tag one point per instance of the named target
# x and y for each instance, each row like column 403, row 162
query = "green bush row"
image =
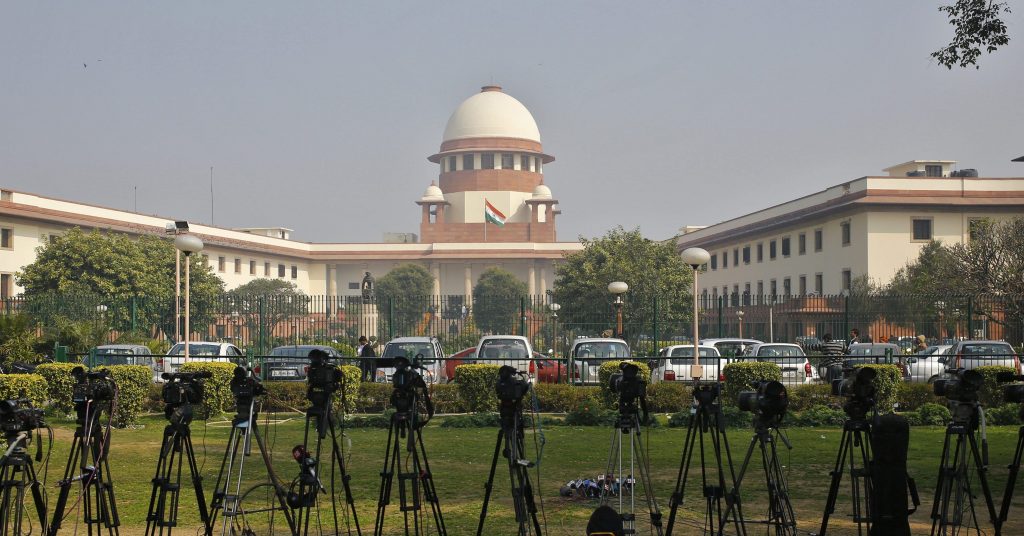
column 133, row 384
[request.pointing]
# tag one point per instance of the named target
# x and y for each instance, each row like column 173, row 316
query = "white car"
column 790, row 358
column 730, row 348
column 512, row 350
column 424, row 352
column 675, row 363
column 928, row 364
column 588, row 354
column 222, row 352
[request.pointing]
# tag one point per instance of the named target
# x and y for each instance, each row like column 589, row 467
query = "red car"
column 545, row 367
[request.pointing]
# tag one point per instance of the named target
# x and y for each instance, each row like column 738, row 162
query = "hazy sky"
column 320, row 116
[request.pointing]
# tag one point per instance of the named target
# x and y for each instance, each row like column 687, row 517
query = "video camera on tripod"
column 245, row 387
column 323, row 379
column 768, row 402
column 409, row 386
column 632, row 390
column 181, row 390
column 92, row 386
column 858, row 386
column 18, row 416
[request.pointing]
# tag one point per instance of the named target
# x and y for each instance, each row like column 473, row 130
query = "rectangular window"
column 238, row 265
column 487, row 161
column 803, row 285
column 451, row 163
column 220, row 263
column 817, row 239
column 760, row 288
column 725, row 259
column 785, row 247
column 844, row 228
column 266, row 269
column 7, row 238
column 280, row 270
column 746, row 254
column 746, row 294
column 787, row 287
column 771, row 250
column 467, row 161
column 847, row 279
column 773, row 287
column 760, row 252
column 736, row 256
column 524, row 162
column 818, row 286
column 252, row 267
column 801, row 244
column 6, row 288
column 974, row 228
column 538, row 165
column 725, row 296
column 714, row 261
column 933, row 170
column 506, row 161
column 922, row 228
column 295, row 272
column 735, row 295
column 353, row 286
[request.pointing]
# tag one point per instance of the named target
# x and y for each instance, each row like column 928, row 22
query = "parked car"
column 677, row 360
column 223, row 352
column 587, row 355
column 462, row 357
column 730, row 348
column 512, row 350
column 790, row 358
column 547, row 368
column 291, row 363
column 424, row 352
column 928, row 364
column 129, row 354
column 972, row 354
column 878, row 353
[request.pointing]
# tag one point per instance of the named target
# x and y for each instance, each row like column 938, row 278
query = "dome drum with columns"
column 491, row 152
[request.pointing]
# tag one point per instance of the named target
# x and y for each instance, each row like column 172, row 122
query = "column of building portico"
column 543, row 280
column 435, row 270
column 331, row 271
column 531, row 277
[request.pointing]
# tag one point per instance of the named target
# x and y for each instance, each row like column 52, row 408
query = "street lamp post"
column 187, row 244
column 618, row 288
column 695, row 257
column 739, row 315
column 554, row 339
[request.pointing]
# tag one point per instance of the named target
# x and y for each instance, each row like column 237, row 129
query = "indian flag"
column 492, row 214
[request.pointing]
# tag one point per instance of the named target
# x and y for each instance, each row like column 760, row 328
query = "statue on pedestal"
column 369, row 294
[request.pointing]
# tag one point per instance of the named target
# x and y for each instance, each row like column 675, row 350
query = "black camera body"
column 408, row 385
column 183, row 387
column 627, row 382
column 94, row 386
column 961, row 386
column 768, row 402
column 323, row 378
column 858, row 386
column 18, row 416
column 511, row 385
column 245, row 387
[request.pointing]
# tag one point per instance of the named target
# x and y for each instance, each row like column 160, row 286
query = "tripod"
column 87, row 462
column 176, row 446
column 628, row 426
column 1011, row 479
column 17, row 474
column 415, row 481
column 780, row 510
column 856, row 436
column 309, row 484
column 708, row 426
column 954, row 499
column 511, row 436
column 244, row 429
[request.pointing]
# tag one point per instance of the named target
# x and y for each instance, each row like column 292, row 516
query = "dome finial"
column 491, row 87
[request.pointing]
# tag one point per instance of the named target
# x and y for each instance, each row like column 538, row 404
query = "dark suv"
column 291, row 363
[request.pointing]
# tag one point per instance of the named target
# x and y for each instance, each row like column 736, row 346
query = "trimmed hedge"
column 912, row 396
column 668, row 397
column 740, row 375
column 285, row 396
column 446, row 398
column 604, row 374
column 887, row 383
column 476, row 387
column 349, row 392
column 30, row 386
column 802, row 397
column 58, row 385
column 373, row 397
column 216, row 390
column 561, row 397
column 133, row 383
column 991, row 393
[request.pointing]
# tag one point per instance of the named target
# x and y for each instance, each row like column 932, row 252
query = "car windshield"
column 687, row 351
column 730, row 349
column 503, row 349
column 116, row 356
column 780, row 351
column 195, row 349
column 602, row 350
column 408, row 350
column 992, row 350
column 872, row 349
column 114, row 351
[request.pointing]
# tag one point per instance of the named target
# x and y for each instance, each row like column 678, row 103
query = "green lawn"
column 460, row 459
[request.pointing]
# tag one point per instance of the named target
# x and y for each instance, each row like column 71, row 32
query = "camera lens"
column 1013, row 394
column 747, row 400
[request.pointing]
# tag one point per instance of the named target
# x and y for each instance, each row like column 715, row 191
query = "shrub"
column 802, row 397
column 30, row 386
column 382, row 420
column 349, row 392
column 991, row 393
column 133, row 383
column 474, row 420
column 887, row 383
column 1004, row 414
column 912, row 396
column 561, row 398
column 446, row 398
column 286, row 396
column 679, row 419
column 913, row 418
column 740, row 375
column 374, row 397
column 604, row 373
column 154, row 402
column 590, row 412
column 476, row 386
column 932, row 413
column 216, row 390
column 817, row 416
column 58, row 385
column 668, row 397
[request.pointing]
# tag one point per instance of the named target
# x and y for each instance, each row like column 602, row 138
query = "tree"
column 978, row 24
column 497, row 297
column 110, row 279
column 264, row 303
column 407, row 289
column 653, row 271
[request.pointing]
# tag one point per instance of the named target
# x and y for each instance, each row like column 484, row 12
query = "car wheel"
column 932, row 379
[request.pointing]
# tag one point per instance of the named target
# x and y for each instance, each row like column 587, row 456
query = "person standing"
column 368, row 361
column 833, row 361
column 922, row 344
column 854, row 337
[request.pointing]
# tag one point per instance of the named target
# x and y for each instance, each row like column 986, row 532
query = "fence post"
column 655, row 348
column 259, row 318
column 846, row 315
column 522, row 316
column 134, row 309
column 391, row 318
column 721, row 301
column 970, row 317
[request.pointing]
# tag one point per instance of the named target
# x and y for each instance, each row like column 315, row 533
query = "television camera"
column 181, row 390
column 858, row 386
column 18, row 416
column 767, row 401
column 93, row 386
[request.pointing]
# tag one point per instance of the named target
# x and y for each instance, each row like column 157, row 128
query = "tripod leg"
column 37, row 495
column 780, row 508
column 985, row 490
column 339, row 459
column 861, row 481
column 527, row 487
column 490, row 483
column 720, row 442
column 66, row 483
column 1011, row 479
column 197, row 478
column 684, row 468
column 428, row 485
column 645, row 480
column 104, row 482
column 155, row 515
column 220, row 489
column 837, row 476
column 387, row 476
column 282, row 495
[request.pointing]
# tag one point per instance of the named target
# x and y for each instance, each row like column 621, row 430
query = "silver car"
column 587, row 355
column 423, row 352
column 129, row 354
column 926, row 365
column 973, row 354
column 676, row 363
column 790, row 358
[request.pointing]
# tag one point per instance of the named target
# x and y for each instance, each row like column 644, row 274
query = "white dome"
column 433, row 193
column 491, row 114
column 542, row 192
